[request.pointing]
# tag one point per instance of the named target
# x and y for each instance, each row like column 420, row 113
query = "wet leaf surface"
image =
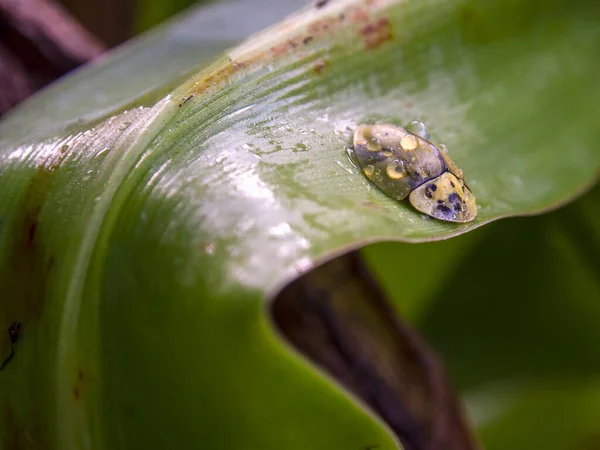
column 152, row 206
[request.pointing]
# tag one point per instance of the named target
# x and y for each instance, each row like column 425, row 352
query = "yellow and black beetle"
column 405, row 164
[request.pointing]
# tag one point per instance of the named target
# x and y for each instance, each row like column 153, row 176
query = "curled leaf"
column 145, row 223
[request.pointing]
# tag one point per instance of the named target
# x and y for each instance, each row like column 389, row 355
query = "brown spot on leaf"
column 376, row 33
column 78, row 386
column 26, row 270
column 358, row 15
column 32, row 229
column 373, row 34
column 279, row 49
column 214, row 78
column 373, row 206
column 321, row 26
column 292, row 43
column 320, row 64
column 286, row 47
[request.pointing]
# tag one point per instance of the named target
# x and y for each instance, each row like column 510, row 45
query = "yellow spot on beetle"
column 409, row 142
column 368, row 170
column 374, row 145
column 395, row 170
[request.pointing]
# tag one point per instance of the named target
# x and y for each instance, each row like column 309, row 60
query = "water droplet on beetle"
column 419, row 128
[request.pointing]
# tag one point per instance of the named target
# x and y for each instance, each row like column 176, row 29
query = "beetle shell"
column 403, row 164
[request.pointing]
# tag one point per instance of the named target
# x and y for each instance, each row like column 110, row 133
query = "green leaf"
column 533, row 308
column 150, row 13
column 146, row 221
column 557, row 415
column 514, row 316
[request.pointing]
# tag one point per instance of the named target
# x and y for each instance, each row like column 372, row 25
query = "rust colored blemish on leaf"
column 216, row 77
column 78, row 386
column 373, row 35
column 373, row 206
column 376, row 33
column 319, row 65
column 31, row 226
column 313, row 31
column 27, row 267
column 281, row 49
column 321, row 26
column 358, row 15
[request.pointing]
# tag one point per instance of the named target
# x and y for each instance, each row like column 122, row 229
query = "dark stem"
column 339, row 318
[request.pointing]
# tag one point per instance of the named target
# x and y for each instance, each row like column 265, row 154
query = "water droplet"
column 409, row 142
column 395, row 170
column 299, row 148
column 352, row 157
column 102, row 152
column 373, row 145
column 419, row 128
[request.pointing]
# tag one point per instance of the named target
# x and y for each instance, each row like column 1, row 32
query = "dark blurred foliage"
column 39, row 42
column 42, row 40
column 111, row 21
column 115, row 21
